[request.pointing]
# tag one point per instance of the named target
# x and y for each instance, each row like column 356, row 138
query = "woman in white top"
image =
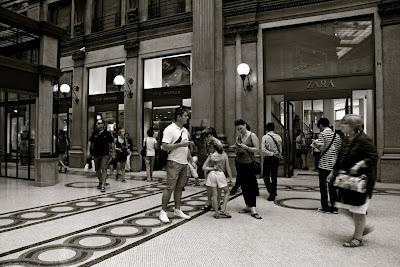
column 151, row 144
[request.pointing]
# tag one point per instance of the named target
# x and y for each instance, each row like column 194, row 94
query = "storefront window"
column 101, row 79
column 333, row 48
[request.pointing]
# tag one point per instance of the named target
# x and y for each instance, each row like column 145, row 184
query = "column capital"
column 132, row 48
column 78, row 58
column 248, row 31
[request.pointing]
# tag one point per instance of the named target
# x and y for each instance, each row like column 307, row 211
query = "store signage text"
column 314, row 84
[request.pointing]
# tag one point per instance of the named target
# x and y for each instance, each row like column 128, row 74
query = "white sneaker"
column 163, row 216
column 180, row 213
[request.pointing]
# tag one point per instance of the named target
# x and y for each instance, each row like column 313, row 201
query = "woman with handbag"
column 354, row 176
column 246, row 145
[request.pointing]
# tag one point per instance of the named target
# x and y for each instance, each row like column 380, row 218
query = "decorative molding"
column 243, row 28
column 49, row 73
column 78, row 55
column 133, row 15
column 248, row 32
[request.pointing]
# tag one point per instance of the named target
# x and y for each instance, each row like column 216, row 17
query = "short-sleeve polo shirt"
column 170, row 135
column 101, row 143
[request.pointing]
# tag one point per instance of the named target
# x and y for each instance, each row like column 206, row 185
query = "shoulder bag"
column 277, row 145
column 257, row 165
column 326, row 150
column 144, row 149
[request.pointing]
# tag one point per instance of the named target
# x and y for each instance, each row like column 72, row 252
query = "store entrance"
column 296, row 121
column 17, row 147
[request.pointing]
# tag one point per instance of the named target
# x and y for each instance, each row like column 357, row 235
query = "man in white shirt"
column 176, row 141
column 271, row 147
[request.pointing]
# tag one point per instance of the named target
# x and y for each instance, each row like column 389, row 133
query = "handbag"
column 349, row 182
column 144, row 149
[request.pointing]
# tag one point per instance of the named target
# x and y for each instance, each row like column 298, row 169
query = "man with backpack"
column 271, row 147
column 328, row 143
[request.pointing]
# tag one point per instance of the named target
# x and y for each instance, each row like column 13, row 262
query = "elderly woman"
column 357, row 156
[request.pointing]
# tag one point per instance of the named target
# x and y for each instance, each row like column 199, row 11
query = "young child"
column 215, row 165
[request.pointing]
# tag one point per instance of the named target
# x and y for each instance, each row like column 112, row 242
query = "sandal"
column 102, row 189
column 244, row 211
column 256, row 215
column 217, row 215
column 353, row 243
column 223, row 214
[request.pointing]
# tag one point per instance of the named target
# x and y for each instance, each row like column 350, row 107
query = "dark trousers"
column 237, row 184
column 317, row 156
column 270, row 173
column 323, row 188
column 248, row 182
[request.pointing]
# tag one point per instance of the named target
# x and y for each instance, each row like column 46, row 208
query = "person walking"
column 357, row 157
column 328, row 143
column 176, row 141
column 151, row 146
column 246, row 145
column 130, row 150
column 102, row 143
column 271, row 148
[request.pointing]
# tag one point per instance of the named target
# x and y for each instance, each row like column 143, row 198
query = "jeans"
column 323, row 188
column 270, row 174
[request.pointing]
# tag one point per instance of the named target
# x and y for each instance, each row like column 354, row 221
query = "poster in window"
column 176, row 71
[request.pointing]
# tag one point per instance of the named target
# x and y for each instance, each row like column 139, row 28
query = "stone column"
column 239, row 83
column 387, row 98
column 188, row 5
column 46, row 166
column 207, row 63
column 123, row 11
column 143, row 10
column 329, row 110
column 2, row 137
column 88, row 16
column 79, row 113
column 44, row 10
column 132, row 104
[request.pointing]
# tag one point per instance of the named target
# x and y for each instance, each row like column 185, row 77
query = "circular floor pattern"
column 303, row 188
column 62, row 209
column 85, row 204
column 35, row 255
column 193, row 202
column 9, row 222
column 143, row 221
column 61, row 254
column 83, row 184
column 107, row 199
column 33, row 215
column 90, row 241
column 139, row 192
column 124, row 230
column 299, row 203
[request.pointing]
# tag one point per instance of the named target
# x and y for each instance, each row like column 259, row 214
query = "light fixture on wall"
column 65, row 89
column 119, row 81
column 244, row 71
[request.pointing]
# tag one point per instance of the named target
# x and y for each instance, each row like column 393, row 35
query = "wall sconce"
column 65, row 89
column 244, row 71
column 119, row 81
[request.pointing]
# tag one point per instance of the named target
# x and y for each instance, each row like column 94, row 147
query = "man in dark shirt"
column 101, row 144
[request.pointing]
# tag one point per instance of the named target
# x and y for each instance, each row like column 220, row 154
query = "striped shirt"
column 268, row 145
column 328, row 160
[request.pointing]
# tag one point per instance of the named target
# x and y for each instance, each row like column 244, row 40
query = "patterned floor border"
column 27, row 217
column 115, row 236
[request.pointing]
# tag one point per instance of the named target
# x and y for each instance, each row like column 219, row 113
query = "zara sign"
column 315, row 84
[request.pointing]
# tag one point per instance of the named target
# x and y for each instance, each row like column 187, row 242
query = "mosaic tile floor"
column 73, row 224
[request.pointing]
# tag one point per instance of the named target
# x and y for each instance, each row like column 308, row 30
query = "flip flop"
column 256, row 215
column 244, row 211
column 353, row 243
